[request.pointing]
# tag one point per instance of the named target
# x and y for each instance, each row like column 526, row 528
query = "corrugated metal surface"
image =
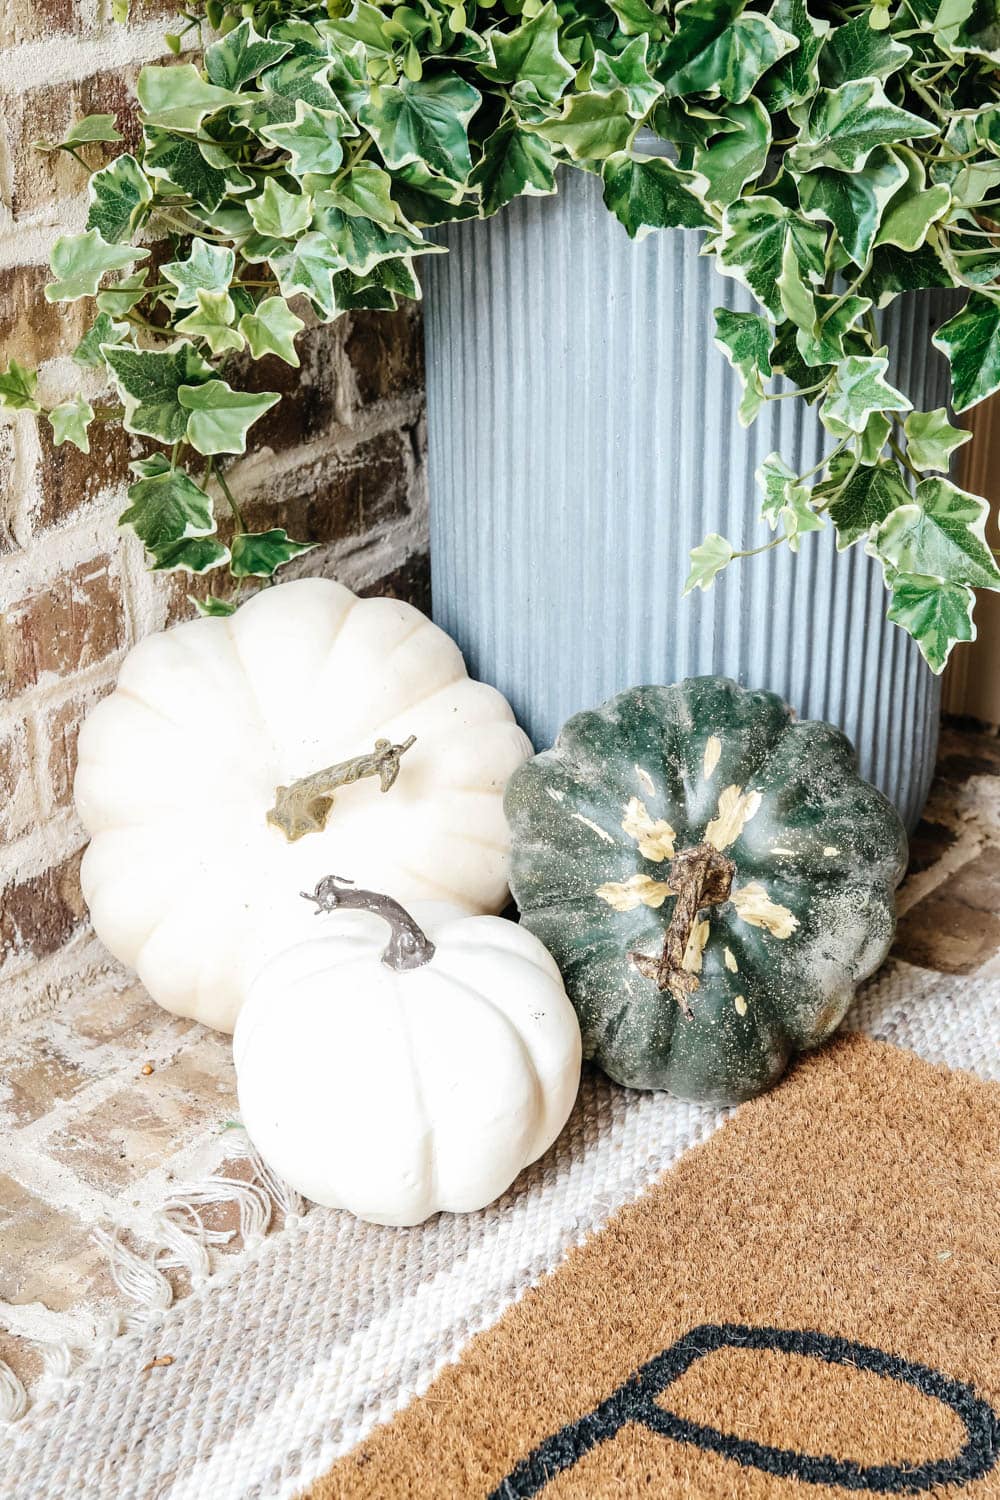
column 583, row 437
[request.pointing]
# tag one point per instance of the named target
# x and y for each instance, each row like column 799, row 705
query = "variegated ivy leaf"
column 746, row 340
column 312, row 139
column 213, row 607
column 914, row 208
column 738, row 156
column 796, row 76
column 91, row 128
column 427, row 200
column 79, row 261
column 359, row 242
column 797, row 516
column 829, row 339
column 279, row 213
column 240, row 55
column 117, row 194
column 774, row 480
column 847, row 123
column 798, row 301
column 965, row 26
column 720, row 49
column 219, row 417
column 119, row 299
column 70, row 421
column 894, row 271
column 873, row 439
column 257, row 554
column 380, row 289
column 17, row 388
column 513, row 162
column 103, row 330
column 936, row 614
column 271, row 329
column 590, row 127
column 212, row 320
column 855, row 50
column 196, row 554
column 754, row 234
column 208, row 268
column 149, row 381
column 181, row 163
column 637, row 18
column 307, row 269
column 366, row 192
column 649, row 192
column 859, row 388
column 854, row 202
column 931, row 439
column 179, row 98
column 941, row 534
column 864, row 499
column 167, row 507
column 708, row 560
column 628, row 70
column 529, row 55
column 363, row 23
column 971, row 341
column 426, row 121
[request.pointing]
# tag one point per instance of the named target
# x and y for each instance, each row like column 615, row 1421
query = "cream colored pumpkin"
column 187, row 881
column 396, row 1093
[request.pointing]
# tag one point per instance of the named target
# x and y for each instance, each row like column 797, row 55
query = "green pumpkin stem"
column 699, row 877
column 408, row 948
column 305, row 806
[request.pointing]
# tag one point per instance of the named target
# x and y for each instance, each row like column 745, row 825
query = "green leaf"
column 854, row 202
column 737, row 157
column 80, row 260
column 858, row 389
column 181, row 162
column 796, row 77
column 754, row 234
column 512, row 163
column 366, row 192
column 83, row 132
column 847, row 123
column 718, row 48
column 193, row 555
column 628, row 70
column 708, row 560
column 942, row 534
column 178, row 97
column 637, row 18
column 826, row 342
column 854, row 51
column 149, row 381
column 103, row 330
column 649, row 192
column 873, row 439
column 165, row 508
column 257, row 554
column 895, row 271
column 798, row 300
column 17, row 388
column 591, row 127
column 529, row 55
column 424, row 122
column 70, row 421
column 240, row 55
column 307, row 269
column 426, row 199
column 746, row 340
column 312, row 139
column 124, row 294
column 271, row 329
column 936, row 614
column 208, row 268
column 865, row 500
column 931, row 439
column 117, row 194
column 971, row 341
column 359, row 242
column 218, row 609
column 213, row 320
column 774, row 479
column 219, row 417
column 914, row 208
column 797, row 516
column 280, row 213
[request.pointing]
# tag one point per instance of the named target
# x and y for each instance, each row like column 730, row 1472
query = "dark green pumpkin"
column 822, row 851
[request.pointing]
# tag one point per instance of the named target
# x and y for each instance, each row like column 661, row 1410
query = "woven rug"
column 753, row 1274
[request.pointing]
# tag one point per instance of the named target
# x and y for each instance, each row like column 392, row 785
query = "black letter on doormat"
column 635, row 1402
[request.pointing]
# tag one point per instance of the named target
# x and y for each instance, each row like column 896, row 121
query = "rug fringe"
column 13, row 1396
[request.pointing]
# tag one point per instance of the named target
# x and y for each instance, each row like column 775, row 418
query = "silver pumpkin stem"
column 409, row 946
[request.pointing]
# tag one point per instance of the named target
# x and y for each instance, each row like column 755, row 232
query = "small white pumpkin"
column 196, row 778
column 397, row 1081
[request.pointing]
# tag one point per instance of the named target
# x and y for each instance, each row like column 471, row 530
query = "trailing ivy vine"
column 833, row 157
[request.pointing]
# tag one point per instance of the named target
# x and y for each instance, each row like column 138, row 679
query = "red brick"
column 69, row 479
column 73, row 623
column 61, row 728
column 40, row 914
column 42, row 178
column 17, row 795
column 307, row 408
column 32, row 329
column 386, row 352
column 35, row 20
column 8, row 487
column 339, row 494
column 411, row 581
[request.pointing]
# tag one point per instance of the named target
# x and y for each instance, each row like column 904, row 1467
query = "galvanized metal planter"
column 583, row 437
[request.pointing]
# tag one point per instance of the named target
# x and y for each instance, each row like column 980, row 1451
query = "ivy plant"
column 292, row 158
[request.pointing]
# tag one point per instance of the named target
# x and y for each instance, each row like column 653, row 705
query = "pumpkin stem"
column 305, row 806
column 699, row 877
column 408, row 948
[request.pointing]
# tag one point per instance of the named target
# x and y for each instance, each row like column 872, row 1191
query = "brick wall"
column 339, row 462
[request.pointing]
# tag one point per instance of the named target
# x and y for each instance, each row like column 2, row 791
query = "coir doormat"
column 806, row 1305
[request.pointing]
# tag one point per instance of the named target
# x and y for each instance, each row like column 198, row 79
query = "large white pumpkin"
column 396, row 1093
column 186, row 880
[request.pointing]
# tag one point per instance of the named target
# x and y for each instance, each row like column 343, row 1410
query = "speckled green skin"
column 796, row 989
